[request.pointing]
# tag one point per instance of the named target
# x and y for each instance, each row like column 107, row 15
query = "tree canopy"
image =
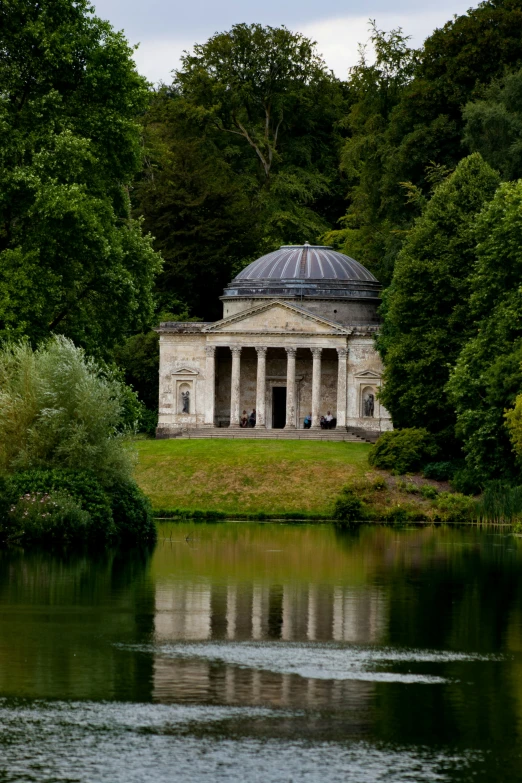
column 72, row 260
column 426, row 309
column 487, row 376
column 242, row 156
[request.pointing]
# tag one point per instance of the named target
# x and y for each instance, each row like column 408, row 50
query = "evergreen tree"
column 426, row 308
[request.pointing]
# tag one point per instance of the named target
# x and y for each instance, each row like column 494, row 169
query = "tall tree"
column 494, row 125
column 487, row 377
column 425, row 127
column 72, row 260
column 426, row 308
column 375, row 89
column 243, row 151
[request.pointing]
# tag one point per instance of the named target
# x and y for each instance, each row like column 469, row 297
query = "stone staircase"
column 255, row 434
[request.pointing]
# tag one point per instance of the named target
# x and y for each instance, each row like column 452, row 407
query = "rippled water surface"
column 243, row 652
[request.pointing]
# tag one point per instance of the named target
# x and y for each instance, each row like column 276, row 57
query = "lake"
column 264, row 652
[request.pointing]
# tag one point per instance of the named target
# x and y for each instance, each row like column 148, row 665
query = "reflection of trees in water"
column 64, row 613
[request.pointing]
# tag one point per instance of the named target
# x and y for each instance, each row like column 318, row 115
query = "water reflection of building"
column 246, row 611
column 193, row 611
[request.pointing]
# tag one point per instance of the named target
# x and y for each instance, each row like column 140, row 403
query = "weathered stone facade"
column 279, row 356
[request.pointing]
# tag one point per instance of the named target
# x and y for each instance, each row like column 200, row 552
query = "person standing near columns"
column 341, row 386
column 210, row 384
column 316, row 388
column 290, row 388
column 234, row 386
column 261, row 388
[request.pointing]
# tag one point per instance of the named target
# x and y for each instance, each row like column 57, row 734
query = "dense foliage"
column 67, row 468
column 58, row 408
column 242, row 156
column 427, row 313
column 406, row 124
column 72, row 506
column 72, row 259
column 488, row 377
column 403, row 451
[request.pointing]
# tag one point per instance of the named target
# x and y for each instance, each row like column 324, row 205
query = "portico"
column 297, row 385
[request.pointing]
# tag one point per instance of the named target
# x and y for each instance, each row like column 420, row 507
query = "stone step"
column 252, row 434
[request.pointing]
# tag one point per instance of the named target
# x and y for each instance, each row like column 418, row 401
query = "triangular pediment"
column 368, row 374
column 184, row 371
column 276, row 317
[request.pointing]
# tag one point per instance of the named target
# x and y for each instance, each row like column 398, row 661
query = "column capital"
column 316, row 351
column 236, row 350
column 210, row 350
column 291, row 350
column 261, row 349
column 342, row 351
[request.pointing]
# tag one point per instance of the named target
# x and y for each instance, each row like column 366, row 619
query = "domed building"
column 296, row 338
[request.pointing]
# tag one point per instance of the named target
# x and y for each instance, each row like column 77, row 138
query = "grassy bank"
column 249, row 477
column 284, row 479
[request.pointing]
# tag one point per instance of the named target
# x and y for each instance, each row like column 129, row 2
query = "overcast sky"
column 164, row 28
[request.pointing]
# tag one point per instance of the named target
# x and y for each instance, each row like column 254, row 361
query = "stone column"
column 210, row 384
column 261, row 388
column 316, row 388
column 290, row 389
column 234, row 386
column 341, row 386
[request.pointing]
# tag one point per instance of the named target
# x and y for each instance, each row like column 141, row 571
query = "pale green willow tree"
column 58, row 409
column 71, row 258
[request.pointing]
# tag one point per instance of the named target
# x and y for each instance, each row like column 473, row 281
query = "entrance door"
column 278, row 407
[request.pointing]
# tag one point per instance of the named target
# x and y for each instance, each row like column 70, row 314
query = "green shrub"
column 402, row 514
column 46, row 518
column 379, row 484
column 428, row 492
column 80, row 485
column 59, row 409
column 454, row 507
column 466, row 482
column 439, row 471
column 348, row 507
column 403, row 451
column 132, row 513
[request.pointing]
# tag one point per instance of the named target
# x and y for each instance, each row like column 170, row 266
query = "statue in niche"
column 185, row 402
column 369, row 406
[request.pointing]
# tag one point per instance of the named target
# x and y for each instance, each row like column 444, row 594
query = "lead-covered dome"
column 304, row 272
column 305, row 262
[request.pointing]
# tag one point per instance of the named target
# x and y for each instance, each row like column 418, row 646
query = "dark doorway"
column 278, row 407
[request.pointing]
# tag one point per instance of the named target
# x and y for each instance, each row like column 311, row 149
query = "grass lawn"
column 238, row 476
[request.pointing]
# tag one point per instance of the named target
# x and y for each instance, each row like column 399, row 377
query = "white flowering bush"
column 44, row 517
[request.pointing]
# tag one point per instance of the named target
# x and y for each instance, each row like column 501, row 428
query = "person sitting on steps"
column 244, row 420
column 252, row 418
column 308, row 421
